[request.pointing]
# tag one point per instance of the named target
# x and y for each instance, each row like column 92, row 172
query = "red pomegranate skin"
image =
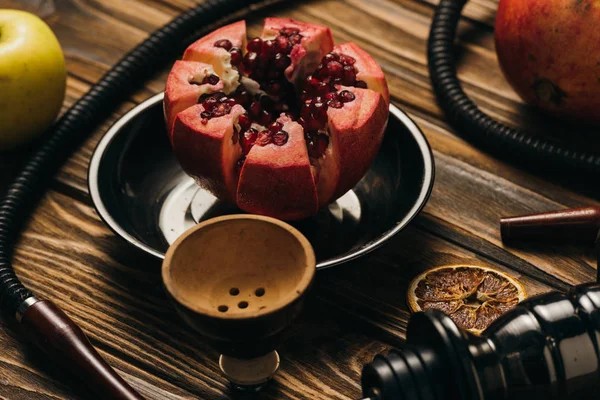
column 549, row 51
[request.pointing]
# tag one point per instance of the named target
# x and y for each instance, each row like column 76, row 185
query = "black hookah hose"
column 43, row 322
column 470, row 121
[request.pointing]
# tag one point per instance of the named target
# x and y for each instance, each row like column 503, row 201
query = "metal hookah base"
column 252, row 374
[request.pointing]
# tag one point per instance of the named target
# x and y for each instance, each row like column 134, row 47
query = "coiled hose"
column 470, row 121
column 74, row 126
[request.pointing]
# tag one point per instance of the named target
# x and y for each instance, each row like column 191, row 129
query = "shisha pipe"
column 546, row 347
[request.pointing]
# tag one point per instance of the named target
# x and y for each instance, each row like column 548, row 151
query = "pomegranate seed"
column 248, row 139
column 346, row 96
column 268, row 48
column 320, row 112
column 304, row 97
column 331, row 96
column 275, row 126
column 254, row 45
column 346, row 60
column 280, row 138
column 329, row 57
column 302, row 122
column 308, row 136
column 335, row 69
column 236, row 56
column 335, row 104
column 250, row 135
column 320, row 72
column 305, row 111
column 211, row 79
column 204, row 121
column 313, row 124
column 250, row 61
column 289, row 31
column 242, row 97
column 210, row 103
column 361, row 84
column 265, row 117
column 223, row 43
column 205, row 115
column 221, row 109
column 282, row 61
column 244, row 121
column 295, row 39
column 322, row 88
column 264, row 138
column 255, row 108
column 310, row 83
column 349, row 75
column 282, row 44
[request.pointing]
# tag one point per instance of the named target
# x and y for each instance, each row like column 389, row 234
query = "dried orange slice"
column 472, row 296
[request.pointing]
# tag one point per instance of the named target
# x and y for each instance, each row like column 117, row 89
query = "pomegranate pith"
column 291, row 83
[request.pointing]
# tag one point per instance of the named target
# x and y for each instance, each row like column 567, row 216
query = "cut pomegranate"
column 281, row 124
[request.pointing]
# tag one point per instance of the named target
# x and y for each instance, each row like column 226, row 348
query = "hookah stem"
column 44, row 323
column 470, row 121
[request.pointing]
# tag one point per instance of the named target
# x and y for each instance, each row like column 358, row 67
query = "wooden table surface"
column 68, row 255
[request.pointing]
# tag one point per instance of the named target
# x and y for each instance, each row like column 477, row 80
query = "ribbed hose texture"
column 471, row 122
column 74, row 126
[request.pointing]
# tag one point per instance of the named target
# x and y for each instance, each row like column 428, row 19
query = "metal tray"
column 140, row 191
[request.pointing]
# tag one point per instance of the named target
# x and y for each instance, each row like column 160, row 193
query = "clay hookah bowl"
column 240, row 281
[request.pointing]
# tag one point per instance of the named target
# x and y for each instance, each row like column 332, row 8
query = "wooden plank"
column 353, row 312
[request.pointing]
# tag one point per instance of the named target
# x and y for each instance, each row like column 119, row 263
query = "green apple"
column 33, row 77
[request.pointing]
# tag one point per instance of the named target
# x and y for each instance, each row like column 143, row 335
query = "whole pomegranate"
column 549, row 51
column 281, row 124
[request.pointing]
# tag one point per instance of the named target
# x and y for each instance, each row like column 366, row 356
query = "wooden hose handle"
column 61, row 339
column 579, row 224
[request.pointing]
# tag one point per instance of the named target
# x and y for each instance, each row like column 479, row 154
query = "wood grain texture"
column 354, row 312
